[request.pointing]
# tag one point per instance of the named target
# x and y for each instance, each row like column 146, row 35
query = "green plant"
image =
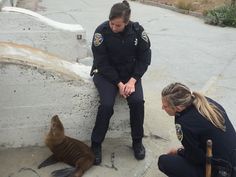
column 222, row 16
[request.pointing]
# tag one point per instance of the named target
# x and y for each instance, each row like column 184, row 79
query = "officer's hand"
column 130, row 87
column 172, row 151
column 121, row 87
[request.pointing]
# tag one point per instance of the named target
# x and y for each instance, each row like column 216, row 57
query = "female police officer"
column 197, row 119
column 121, row 51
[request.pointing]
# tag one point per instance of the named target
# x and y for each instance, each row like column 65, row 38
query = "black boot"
column 139, row 150
column 97, row 150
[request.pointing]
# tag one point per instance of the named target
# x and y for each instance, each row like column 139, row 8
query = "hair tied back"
column 126, row 3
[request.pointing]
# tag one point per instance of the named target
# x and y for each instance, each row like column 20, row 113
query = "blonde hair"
column 178, row 94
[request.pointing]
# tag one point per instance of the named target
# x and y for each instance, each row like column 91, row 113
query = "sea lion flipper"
column 49, row 161
column 66, row 172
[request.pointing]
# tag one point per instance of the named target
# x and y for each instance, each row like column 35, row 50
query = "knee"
column 107, row 103
column 162, row 162
column 136, row 102
column 135, row 99
column 106, row 108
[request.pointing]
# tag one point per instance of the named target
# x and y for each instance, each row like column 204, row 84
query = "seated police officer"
column 197, row 119
column 121, row 51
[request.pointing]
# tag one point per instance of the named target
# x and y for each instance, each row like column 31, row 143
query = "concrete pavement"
column 184, row 49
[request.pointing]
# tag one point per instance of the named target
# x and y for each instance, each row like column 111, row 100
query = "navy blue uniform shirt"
column 120, row 56
column 193, row 130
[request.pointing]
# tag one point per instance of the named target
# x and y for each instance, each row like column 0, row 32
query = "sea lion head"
column 56, row 134
column 56, row 126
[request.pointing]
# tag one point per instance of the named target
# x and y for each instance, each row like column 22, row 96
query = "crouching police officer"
column 121, row 51
column 197, row 119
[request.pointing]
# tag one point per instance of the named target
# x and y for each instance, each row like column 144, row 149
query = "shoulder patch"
column 136, row 26
column 97, row 39
column 179, row 132
column 144, row 36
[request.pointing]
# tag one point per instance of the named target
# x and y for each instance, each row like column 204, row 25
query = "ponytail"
column 126, row 3
column 209, row 111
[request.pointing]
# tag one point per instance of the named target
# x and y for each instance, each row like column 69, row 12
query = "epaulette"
column 136, row 26
column 103, row 26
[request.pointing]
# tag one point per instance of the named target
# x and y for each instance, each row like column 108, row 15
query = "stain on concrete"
column 25, row 171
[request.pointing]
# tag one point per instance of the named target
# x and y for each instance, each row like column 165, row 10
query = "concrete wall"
column 35, row 85
column 65, row 40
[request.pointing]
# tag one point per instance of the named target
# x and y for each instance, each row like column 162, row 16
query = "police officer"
column 197, row 119
column 121, row 51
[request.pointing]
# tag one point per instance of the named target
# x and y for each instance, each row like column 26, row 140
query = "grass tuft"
column 222, row 16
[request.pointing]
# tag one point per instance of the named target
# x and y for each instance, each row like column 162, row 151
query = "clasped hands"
column 174, row 151
column 128, row 88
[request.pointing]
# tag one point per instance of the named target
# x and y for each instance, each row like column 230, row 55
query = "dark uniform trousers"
column 108, row 92
column 177, row 166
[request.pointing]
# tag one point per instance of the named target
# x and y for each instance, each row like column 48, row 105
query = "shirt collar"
column 180, row 114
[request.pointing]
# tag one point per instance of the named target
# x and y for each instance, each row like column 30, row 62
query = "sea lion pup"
column 67, row 150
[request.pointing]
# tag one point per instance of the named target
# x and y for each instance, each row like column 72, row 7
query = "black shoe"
column 97, row 150
column 139, row 151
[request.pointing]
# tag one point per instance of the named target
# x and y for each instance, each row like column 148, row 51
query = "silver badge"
column 179, row 132
column 136, row 42
column 144, row 36
column 98, row 39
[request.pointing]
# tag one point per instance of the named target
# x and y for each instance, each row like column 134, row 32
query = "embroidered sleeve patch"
column 144, row 36
column 179, row 132
column 98, row 39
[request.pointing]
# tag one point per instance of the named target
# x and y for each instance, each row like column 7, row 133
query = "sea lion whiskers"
column 56, row 134
column 56, row 124
column 57, row 127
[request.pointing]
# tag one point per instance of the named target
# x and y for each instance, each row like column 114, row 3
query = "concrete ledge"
column 35, row 85
column 65, row 40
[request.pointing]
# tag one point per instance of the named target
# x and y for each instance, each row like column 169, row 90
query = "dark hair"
column 122, row 10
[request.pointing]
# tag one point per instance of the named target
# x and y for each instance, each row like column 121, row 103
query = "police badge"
column 144, row 36
column 136, row 42
column 98, row 39
column 179, row 132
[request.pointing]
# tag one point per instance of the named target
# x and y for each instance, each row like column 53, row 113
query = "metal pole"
column 208, row 158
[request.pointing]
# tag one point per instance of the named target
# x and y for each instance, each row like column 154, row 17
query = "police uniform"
column 193, row 130
column 117, row 58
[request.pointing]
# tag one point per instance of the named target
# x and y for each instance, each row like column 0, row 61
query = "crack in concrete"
column 24, row 169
